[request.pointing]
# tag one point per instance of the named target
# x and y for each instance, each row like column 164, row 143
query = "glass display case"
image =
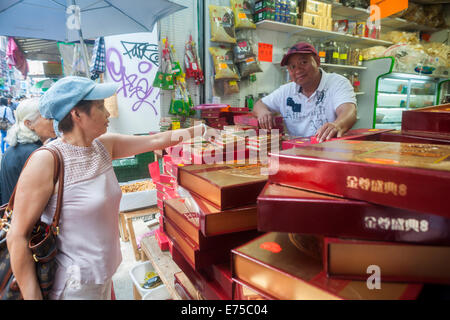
column 397, row 92
column 444, row 92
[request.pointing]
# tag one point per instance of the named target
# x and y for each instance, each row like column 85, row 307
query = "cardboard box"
column 315, row 7
column 310, row 20
column 329, row 10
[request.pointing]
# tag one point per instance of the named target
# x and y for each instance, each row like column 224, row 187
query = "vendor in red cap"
column 314, row 103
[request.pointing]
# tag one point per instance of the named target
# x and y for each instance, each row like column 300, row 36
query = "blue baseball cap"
column 65, row 94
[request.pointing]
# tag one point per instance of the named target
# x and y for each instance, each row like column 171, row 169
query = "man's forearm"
column 346, row 118
column 263, row 114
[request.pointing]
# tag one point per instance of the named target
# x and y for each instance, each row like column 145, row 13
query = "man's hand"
column 346, row 118
column 265, row 120
column 329, row 130
column 264, row 115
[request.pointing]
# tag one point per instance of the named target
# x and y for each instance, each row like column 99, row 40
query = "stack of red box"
column 347, row 219
column 166, row 188
column 204, row 228
column 353, row 134
column 215, row 115
column 251, row 120
column 431, row 122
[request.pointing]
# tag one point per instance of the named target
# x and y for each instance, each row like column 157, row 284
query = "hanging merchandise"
column 191, row 62
column 98, row 64
column 16, row 57
column 223, row 63
column 243, row 16
column 230, row 87
column 164, row 76
column 176, row 67
column 181, row 103
column 222, row 24
column 243, row 49
column 244, row 54
column 248, row 67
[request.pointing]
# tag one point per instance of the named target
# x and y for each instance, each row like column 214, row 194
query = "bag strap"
column 58, row 175
column 4, row 113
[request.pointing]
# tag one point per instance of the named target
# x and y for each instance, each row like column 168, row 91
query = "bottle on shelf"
column 321, row 50
column 355, row 81
column 344, row 54
column 332, row 52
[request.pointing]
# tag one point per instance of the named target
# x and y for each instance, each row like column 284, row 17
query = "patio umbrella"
column 73, row 20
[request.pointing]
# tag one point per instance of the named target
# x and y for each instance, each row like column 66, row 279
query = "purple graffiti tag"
column 131, row 84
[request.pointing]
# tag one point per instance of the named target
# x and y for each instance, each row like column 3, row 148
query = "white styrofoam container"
column 159, row 293
column 137, row 274
column 137, row 200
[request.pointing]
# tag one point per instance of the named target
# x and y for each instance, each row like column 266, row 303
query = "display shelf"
column 405, row 95
column 341, row 66
column 415, row 76
column 316, row 33
column 389, row 22
column 331, row 66
column 392, row 108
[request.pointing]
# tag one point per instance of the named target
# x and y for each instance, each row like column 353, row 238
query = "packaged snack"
column 223, row 63
column 244, row 47
column 230, row 87
column 222, row 24
column 410, row 58
column 360, row 29
column 351, row 27
column 243, row 16
column 341, row 25
column 401, row 37
column 248, row 67
column 373, row 52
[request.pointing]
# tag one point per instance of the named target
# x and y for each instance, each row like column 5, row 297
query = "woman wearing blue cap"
column 88, row 241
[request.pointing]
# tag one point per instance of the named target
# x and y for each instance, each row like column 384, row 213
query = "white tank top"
column 88, row 241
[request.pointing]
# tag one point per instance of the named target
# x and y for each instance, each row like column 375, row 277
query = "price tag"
column 242, row 15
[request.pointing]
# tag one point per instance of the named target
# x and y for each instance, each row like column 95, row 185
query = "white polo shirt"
column 304, row 116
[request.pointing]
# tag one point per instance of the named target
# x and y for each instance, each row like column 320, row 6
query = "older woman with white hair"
column 29, row 132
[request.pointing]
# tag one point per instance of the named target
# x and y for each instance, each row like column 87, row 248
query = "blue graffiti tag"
column 142, row 50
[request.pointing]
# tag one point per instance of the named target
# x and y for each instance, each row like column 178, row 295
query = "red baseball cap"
column 301, row 47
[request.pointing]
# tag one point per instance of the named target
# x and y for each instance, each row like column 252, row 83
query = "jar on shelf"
column 355, row 81
column 344, row 54
column 321, row 50
column 332, row 52
column 359, row 57
column 352, row 57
